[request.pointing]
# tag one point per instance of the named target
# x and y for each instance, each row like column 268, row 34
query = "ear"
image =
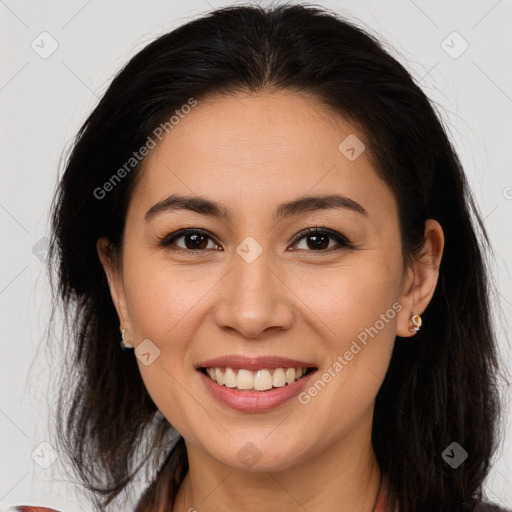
column 113, row 271
column 420, row 278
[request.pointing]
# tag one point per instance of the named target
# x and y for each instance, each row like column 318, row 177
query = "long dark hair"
column 440, row 387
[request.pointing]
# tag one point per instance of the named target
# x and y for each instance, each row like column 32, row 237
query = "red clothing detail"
column 380, row 504
column 26, row 508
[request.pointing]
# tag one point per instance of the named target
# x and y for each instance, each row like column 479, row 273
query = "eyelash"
column 342, row 240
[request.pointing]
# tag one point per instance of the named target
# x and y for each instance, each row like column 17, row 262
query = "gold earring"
column 416, row 323
column 124, row 345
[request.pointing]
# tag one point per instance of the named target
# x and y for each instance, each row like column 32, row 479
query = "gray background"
column 45, row 98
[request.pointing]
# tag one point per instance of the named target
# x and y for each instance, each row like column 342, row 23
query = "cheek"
column 163, row 304
column 352, row 300
column 162, row 298
column 356, row 308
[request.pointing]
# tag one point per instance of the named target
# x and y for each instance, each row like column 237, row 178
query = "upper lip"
column 254, row 363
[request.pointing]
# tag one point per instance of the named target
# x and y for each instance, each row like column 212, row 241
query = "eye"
column 317, row 239
column 193, row 239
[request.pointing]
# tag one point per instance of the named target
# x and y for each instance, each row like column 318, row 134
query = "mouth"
column 263, row 379
column 255, row 384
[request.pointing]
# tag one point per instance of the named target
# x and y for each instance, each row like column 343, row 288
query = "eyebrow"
column 298, row 206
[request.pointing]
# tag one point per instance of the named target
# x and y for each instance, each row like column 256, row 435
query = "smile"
column 259, row 380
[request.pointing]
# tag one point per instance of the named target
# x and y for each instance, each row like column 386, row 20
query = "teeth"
column 290, row 375
column 278, row 379
column 244, row 380
column 219, row 376
column 230, row 378
column 260, row 380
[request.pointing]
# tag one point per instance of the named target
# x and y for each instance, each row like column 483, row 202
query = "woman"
column 267, row 208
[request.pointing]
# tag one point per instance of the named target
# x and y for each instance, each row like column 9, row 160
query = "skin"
column 252, row 152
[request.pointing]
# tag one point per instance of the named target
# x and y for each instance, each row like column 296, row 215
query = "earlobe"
column 421, row 281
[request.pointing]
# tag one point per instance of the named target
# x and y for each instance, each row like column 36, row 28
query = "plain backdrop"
column 57, row 58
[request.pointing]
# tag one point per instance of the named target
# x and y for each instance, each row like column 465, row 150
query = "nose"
column 254, row 298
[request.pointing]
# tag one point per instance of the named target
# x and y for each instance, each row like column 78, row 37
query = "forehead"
column 257, row 150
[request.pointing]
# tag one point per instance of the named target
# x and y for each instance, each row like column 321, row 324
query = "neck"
column 343, row 478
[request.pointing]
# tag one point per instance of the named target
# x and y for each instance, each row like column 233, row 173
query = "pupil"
column 195, row 238
column 319, row 244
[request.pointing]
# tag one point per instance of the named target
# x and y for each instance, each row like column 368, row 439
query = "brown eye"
column 319, row 240
column 193, row 240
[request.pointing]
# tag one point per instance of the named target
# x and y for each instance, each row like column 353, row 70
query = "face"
column 321, row 283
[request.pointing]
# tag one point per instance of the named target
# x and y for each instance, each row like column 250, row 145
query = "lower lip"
column 255, row 401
